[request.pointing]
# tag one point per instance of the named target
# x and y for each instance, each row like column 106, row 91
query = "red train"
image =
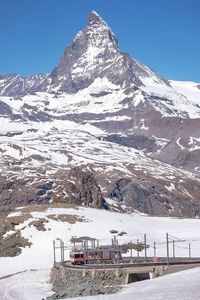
column 91, row 255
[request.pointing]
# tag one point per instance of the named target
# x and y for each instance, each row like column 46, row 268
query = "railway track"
column 180, row 261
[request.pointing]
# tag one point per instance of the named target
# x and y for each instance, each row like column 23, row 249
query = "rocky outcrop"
column 24, row 191
column 154, row 198
column 81, row 188
column 11, row 244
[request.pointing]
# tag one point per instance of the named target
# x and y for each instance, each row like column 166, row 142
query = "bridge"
column 122, row 273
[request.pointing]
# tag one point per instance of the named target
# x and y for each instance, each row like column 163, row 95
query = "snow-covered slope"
column 36, row 261
column 36, row 156
column 97, row 224
column 33, row 285
column 191, row 90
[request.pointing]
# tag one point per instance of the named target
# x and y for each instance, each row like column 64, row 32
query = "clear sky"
column 163, row 34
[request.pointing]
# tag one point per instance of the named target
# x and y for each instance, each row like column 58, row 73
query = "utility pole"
column 61, row 256
column 63, row 251
column 131, row 250
column 154, row 249
column 138, row 248
column 145, row 245
column 117, row 253
column 189, row 250
column 173, row 249
column 84, row 246
column 167, row 243
column 54, row 253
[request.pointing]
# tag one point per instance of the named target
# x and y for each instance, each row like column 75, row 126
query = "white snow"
column 194, row 143
column 189, row 89
column 98, row 224
column 181, row 100
column 28, row 285
column 33, row 285
column 179, row 144
column 35, row 262
column 8, row 126
column 171, row 187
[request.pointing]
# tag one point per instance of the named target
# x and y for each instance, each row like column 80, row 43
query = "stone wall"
column 66, row 278
column 71, row 282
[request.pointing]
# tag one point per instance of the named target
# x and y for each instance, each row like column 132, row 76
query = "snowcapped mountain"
column 105, row 111
column 102, row 131
column 16, row 85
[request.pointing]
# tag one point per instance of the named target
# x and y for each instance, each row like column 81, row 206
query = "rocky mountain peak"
column 91, row 52
column 93, row 55
column 95, row 19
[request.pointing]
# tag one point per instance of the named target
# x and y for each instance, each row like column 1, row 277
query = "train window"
column 81, row 255
column 77, row 255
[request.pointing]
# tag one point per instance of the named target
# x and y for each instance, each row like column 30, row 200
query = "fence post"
column 167, row 243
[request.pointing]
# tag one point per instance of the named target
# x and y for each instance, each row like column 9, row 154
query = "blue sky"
column 163, row 34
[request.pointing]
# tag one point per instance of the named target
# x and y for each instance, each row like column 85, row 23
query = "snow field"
column 36, row 261
column 98, row 224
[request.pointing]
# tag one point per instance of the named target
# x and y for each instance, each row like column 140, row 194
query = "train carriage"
column 91, row 255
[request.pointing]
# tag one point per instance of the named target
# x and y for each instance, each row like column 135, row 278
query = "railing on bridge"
column 145, row 250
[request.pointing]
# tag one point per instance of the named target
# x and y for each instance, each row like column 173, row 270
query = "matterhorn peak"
column 94, row 53
column 95, row 19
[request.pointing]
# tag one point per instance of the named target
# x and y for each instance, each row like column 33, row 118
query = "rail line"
column 67, row 264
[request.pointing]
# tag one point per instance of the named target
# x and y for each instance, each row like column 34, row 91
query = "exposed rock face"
column 19, row 192
column 11, row 245
column 154, row 199
column 81, row 188
column 94, row 53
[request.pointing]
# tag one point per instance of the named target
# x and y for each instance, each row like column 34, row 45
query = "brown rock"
column 81, row 188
